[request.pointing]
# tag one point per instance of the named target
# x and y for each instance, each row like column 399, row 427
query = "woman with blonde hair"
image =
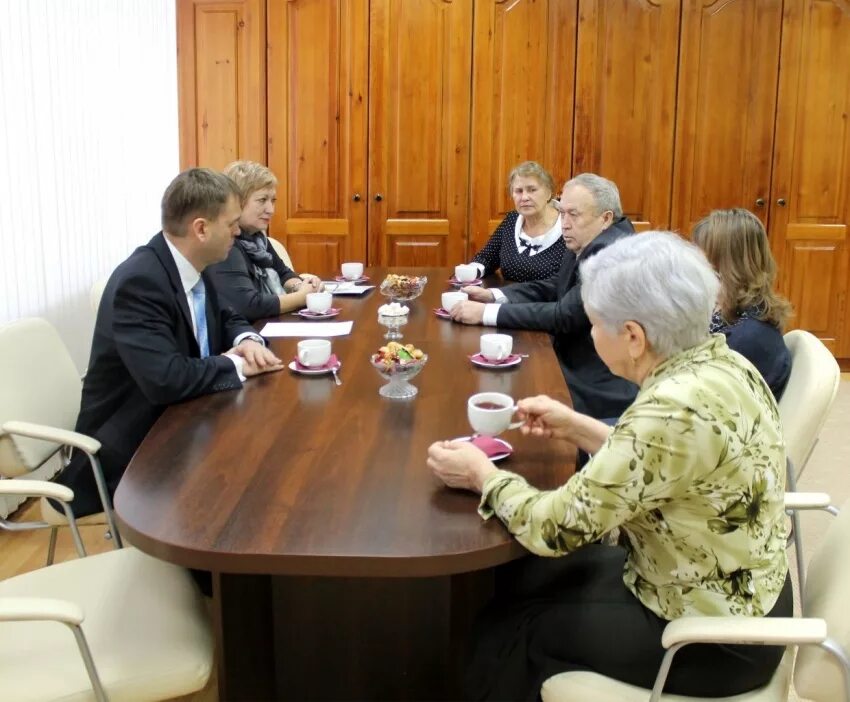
column 527, row 245
column 253, row 278
column 749, row 312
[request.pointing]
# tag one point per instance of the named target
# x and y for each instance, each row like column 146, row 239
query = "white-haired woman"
column 692, row 474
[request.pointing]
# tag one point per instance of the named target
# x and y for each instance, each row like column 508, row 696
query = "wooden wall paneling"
column 810, row 208
column 523, row 77
column 726, row 107
column 419, row 102
column 626, row 99
column 318, row 58
column 221, row 81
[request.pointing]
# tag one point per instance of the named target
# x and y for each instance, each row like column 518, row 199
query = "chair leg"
column 51, row 547
column 791, row 486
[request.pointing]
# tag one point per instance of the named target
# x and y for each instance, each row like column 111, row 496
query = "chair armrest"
column 806, row 500
column 770, row 631
column 57, row 436
column 33, row 609
column 36, row 488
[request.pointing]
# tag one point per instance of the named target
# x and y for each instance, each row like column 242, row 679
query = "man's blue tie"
column 199, row 297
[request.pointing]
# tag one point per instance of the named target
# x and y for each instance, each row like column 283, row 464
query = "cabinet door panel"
column 625, row 101
column 726, row 107
column 318, row 56
column 419, row 67
column 809, row 229
column 222, row 78
column 522, row 96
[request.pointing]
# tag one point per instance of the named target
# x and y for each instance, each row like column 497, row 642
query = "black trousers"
column 574, row 613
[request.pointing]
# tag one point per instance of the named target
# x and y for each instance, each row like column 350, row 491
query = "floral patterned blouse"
column 693, row 474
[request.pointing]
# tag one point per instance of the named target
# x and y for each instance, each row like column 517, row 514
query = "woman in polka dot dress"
column 527, row 245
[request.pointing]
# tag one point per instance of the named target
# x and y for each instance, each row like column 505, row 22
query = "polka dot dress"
column 501, row 252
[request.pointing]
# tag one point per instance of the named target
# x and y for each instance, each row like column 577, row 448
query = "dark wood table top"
column 294, row 475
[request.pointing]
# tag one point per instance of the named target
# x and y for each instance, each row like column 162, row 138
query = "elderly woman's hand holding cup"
column 546, row 417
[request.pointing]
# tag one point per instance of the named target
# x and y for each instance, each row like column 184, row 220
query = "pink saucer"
column 332, row 364
column 458, row 284
column 307, row 314
column 508, row 362
column 441, row 313
column 495, row 448
column 343, row 279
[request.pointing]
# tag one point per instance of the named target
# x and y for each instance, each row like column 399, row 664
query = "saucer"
column 307, row 314
column 442, row 314
column 495, row 448
column 508, row 362
column 458, row 284
column 343, row 279
column 333, row 364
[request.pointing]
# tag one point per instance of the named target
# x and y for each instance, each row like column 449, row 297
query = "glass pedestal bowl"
column 393, row 323
column 401, row 288
column 398, row 375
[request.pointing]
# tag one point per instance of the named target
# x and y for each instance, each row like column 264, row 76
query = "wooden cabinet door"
column 726, row 107
column 317, row 107
column 810, row 209
column 221, row 81
column 625, row 101
column 419, row 96
column 523, row 67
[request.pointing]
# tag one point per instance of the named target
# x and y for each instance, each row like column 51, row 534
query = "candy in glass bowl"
column 403, row 287
column 398, row 364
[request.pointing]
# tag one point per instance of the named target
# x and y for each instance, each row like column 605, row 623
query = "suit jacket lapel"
column 167, row 260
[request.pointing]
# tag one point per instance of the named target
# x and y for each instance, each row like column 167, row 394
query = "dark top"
column 760, row 343
column 239, row 283
column 500, row 252
column 144, row 358
column 555, row 305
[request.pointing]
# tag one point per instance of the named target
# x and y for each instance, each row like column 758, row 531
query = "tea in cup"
column 314, row 353
column 450, row 299
column 490, row 413
column 496, row 347
column 352, row 271
column 466, row 272
column 319, row 302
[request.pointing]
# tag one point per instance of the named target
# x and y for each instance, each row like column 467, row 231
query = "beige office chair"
column 803, row 409
column 96, row 293
column 119, row 625
column 808, row 396
column 822, row 668
column 281, row 251
column 39, row 401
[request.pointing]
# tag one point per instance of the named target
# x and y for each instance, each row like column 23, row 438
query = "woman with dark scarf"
column 253, row 278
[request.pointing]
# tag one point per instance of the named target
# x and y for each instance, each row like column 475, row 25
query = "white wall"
column 88, row 143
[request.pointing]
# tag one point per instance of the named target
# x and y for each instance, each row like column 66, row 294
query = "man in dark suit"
column 591, row 219
column 161, row 335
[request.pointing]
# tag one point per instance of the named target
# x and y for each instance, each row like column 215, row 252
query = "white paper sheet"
column 345, row 288
column 306, row 329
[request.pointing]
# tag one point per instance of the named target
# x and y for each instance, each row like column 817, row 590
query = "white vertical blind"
column 88, row 142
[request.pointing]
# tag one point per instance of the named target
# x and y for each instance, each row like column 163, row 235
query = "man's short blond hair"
column 250, row 177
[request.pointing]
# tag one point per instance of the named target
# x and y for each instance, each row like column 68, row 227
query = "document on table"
column 306, row 329
column 346, row 288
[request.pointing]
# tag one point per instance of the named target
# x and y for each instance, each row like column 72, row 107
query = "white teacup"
column 319, row 302
column 450, row 299
column 314, row 352
column 466, row 272
column 496, row 347
column 352, row 271
column 490, row 413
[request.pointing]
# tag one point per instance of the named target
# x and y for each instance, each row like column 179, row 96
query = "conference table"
column 341, row 567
